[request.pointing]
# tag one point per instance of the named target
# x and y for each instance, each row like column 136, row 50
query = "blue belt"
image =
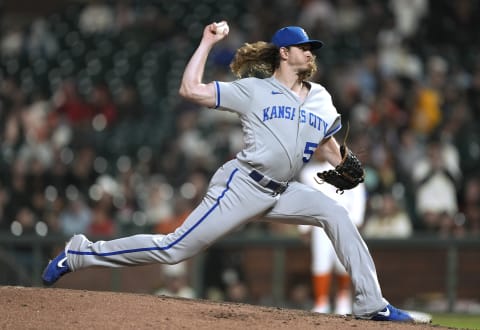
column 276, row 187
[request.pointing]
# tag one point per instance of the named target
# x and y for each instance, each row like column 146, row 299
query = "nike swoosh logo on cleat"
column 276, row 93
column 385, row 313
column 61, row 263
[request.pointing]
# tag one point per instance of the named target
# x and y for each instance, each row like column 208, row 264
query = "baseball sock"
column 321, row 291
column 343, row 282
column 343, row 296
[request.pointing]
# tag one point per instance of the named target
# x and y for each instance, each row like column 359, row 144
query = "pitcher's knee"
column 172, row 249
column 336, row 211
column 337, row 216
column 174, row 256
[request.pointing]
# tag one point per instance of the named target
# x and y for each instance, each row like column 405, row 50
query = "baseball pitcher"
column 285, row 118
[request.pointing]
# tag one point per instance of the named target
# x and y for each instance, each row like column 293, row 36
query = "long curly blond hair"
column 260, row 59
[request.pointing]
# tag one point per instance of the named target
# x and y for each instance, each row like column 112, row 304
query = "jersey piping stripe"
column 162, row 248
column 332, row 132
column 217, row 86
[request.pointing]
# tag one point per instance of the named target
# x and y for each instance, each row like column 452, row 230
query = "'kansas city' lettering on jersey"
column 278, row 111
column 287, row 112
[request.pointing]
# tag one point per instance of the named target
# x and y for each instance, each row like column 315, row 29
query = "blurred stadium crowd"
column 95, row 139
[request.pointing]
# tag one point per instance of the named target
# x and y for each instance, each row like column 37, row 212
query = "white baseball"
column 221, row 28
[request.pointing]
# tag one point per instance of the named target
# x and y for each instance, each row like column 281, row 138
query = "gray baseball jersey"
column 281, row 132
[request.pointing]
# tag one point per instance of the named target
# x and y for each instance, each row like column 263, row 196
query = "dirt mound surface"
column 42, row 308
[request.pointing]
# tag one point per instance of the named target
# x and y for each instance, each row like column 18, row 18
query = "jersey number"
column 309, row 150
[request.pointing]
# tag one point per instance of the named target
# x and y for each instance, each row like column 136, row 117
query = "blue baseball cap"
column 294, row 35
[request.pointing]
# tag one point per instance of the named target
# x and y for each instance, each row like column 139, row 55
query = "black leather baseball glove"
column 346, row 175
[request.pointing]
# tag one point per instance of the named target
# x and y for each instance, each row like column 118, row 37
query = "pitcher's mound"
column 42, row 308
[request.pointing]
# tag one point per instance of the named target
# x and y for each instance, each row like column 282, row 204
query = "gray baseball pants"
column 233, row 199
